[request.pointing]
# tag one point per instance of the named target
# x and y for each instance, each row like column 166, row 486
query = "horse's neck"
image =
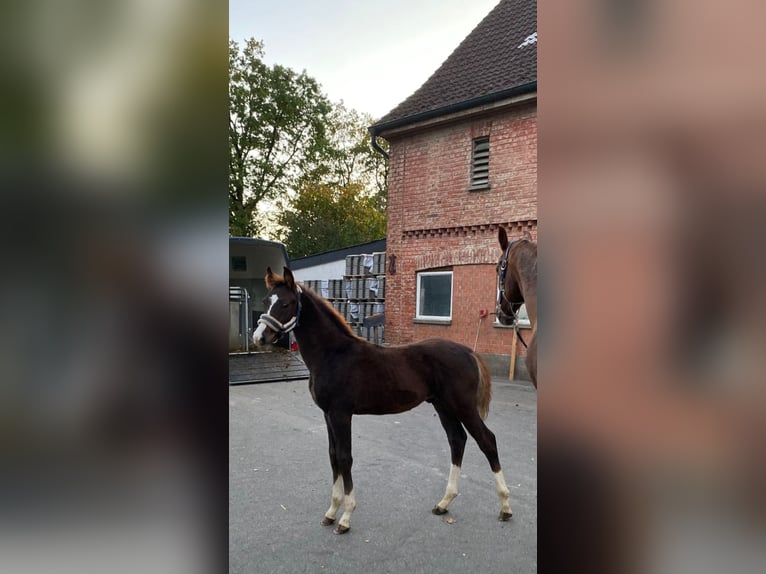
column 317, row 332
column 527, row 280
column 530, row 299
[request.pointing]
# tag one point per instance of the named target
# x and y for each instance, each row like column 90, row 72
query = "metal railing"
column 240, row 297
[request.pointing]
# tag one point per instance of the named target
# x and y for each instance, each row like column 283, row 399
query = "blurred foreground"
column 113, row 329
column 114, row 217
column 652, row 224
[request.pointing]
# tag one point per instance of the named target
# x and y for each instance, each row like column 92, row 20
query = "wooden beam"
column 513, row 355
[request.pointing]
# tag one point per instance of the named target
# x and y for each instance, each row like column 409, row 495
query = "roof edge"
column 378, row 128
column 253, row 241
column 327, row 256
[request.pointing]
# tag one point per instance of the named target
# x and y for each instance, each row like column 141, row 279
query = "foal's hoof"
column 327, row 521
column 439, row 511
column 504, row 516
column 340, row 529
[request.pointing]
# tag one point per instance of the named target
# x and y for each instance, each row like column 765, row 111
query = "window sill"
column 526, row 326
column 433, row 321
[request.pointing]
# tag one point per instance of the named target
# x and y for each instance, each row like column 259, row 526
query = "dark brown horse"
column 516, row 285
column 349, row 376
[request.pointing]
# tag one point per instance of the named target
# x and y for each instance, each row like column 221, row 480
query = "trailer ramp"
column 266, row 367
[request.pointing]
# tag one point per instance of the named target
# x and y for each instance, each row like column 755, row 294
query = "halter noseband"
column 282, row 328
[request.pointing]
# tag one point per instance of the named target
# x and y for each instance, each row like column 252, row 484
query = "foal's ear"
column 502, row 238
column 527, row 235
column 269, row 278
column 289, row 279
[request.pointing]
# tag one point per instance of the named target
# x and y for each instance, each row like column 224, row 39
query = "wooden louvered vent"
column 480, row 164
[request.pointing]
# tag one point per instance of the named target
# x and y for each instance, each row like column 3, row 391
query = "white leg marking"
column 451, row 492
column 337, row 497
column 349, row 506
column 502, row 492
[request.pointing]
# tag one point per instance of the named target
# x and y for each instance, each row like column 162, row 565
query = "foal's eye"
column 284, row 305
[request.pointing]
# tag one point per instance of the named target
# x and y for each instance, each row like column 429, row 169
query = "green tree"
column 277, row 134
column 342, row 201
column 350, row 158
column 324, row 216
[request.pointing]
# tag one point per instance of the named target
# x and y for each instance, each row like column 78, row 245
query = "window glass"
column 238, row 263
column 435, row 295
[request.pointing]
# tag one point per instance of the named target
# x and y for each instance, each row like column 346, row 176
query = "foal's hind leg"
column 337, row 480
column 485, row 438
column 456, row 437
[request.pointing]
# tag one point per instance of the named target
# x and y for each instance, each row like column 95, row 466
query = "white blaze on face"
column 261, row 327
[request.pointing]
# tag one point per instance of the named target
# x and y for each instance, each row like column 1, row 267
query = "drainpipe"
column 374, row 143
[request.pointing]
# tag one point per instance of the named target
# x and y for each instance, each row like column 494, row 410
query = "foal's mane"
column 333, row 313
column 319, row 301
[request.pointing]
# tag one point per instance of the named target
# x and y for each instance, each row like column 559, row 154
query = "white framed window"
column 434, row 296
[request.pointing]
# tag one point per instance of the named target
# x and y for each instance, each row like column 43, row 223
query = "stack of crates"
column 360, row 294
column 319, row 286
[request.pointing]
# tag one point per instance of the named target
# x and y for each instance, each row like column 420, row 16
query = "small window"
column 480, row 164
column 434, row 296
column 238, row 263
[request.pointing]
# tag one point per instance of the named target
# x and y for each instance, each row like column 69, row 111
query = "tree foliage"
column 323, row 216
column 343, row 201
column 307, row 159
column 350, row 158
column 277, row 121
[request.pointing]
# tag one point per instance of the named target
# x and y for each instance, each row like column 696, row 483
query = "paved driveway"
column 280, row 482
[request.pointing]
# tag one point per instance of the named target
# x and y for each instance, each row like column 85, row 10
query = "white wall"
column 323, row 271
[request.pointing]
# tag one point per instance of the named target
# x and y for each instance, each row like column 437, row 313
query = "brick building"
column 462, row 162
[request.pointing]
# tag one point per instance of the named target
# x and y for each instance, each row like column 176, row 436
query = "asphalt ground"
column 280, row 484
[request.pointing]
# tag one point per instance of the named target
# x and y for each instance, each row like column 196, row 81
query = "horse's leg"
column 532, row 358
column 340, row 424
column 456, row 437
column 337, row 480
column 485, row 438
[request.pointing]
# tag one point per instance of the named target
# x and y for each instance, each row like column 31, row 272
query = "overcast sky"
column 372, row 54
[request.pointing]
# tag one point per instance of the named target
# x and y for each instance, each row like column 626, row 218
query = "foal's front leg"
column 337, row 480
column 339, row 425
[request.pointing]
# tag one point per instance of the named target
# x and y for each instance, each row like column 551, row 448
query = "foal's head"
column 283, row 308
column 509, row 295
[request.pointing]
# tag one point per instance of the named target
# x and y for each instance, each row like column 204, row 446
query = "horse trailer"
column 248, row 260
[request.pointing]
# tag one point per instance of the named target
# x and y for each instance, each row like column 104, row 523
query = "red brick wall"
column 435, row 222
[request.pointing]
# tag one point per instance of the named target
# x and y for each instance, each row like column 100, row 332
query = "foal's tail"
column 484, row 390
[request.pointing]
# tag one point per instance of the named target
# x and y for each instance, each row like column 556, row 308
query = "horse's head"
column 509, row 296
column 283, row 307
